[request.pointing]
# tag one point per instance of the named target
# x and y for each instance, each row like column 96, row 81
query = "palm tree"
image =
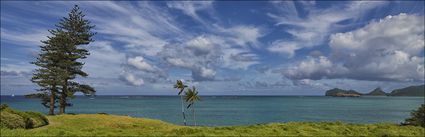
column 179, row 85
column 191, row 96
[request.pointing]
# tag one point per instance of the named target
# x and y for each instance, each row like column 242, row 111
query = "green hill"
column 376, row 92
column 409, row 91
column 336, row 92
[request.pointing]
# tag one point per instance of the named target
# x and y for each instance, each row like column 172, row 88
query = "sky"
column 226, row 48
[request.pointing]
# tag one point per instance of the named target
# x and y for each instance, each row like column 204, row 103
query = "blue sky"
column 227, row 48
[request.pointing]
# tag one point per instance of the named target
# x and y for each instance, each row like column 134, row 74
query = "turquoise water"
column 239, row 110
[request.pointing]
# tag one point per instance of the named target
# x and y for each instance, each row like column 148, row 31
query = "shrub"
column 102, row 113
column 16, row 119
column 417, row 117
column 36, row 119
column 3, row 106
column 11, row 120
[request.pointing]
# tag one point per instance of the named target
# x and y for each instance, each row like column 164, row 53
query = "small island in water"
column 407, row 91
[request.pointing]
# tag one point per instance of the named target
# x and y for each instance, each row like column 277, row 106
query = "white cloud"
column 286, row 47
column 140, row 32
column 313, row 29
column 103, row 55
column 29, row 38
column 199, row 72
column 139, row 63
column 179, row 62
column 223, row 47
column 314, row 68
column 200, row 45
column 191, row 8
column 14, row 73
column 18, row 67
column 204, row 54
column 236, row 58
column 389, row 49
column 208, row 73
column 402, row 32
column 202, row 74
column 131, row 79
column 245, row 35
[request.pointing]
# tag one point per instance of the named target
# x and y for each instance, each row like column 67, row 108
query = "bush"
column 36, row 119
column 11, row 120
column 3, row 106
column 16, row 119
column 417, row 117
column 102, row 113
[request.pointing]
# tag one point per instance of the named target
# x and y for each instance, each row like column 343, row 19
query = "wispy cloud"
column 314, row 28
column 151, row 44
column 30, row 38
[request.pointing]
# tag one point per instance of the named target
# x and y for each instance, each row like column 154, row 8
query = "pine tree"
column 59, row 61
column 47, row 76
column 71, row 33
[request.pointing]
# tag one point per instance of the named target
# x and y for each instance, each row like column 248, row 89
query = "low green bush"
column 36, row 119
column 16, row 119
column 417, row 117
column 3, row 106
column 11, row 120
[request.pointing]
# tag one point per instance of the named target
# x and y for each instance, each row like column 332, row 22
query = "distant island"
column 377, row 92
column 336, row 92
column 407, row 91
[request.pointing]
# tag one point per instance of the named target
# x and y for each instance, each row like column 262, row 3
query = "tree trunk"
column 184, row 116
column 63, row 99
column 52, row 101
column 62, row 104
column 193, row 111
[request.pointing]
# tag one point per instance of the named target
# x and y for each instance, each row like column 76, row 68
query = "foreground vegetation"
column 10, row 118
column 417, row 117
column 111, row 125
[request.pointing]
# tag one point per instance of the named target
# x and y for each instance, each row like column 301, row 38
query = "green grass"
column 112, row 125
column 12, row 119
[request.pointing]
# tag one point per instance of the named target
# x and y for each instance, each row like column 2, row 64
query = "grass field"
column 112, row 125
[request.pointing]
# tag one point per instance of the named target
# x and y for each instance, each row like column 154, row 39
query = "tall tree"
column 191, row 96
column 47, row 75
column 71, row 33
column 60, row 60
column 180, row 86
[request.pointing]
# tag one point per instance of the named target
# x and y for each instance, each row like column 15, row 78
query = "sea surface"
column 241, row 110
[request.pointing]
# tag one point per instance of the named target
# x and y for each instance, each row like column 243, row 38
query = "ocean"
column 241, row 110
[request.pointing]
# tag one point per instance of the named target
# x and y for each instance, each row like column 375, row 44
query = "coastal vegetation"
column 24, row 123
column 180, row 86
column 407, row 91
column 417, row 117
column 112, row 125
column 60, row 62
column 191, row 96
column 13, row 119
